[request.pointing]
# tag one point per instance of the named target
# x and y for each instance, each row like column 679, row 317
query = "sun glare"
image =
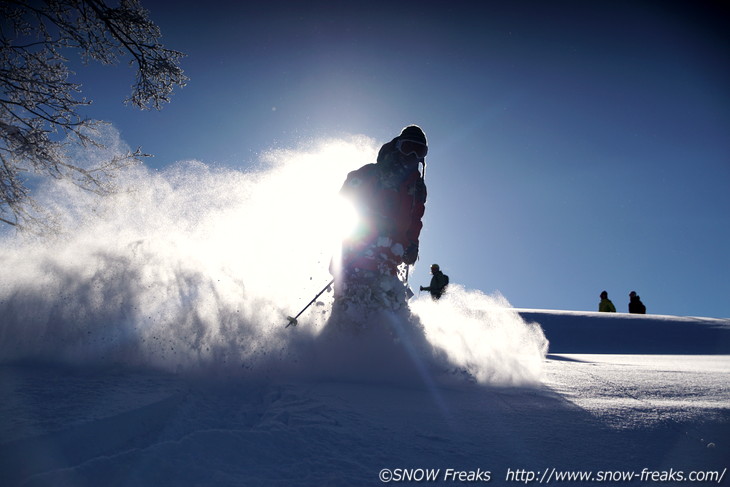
column 289, row 220
column 345, row 219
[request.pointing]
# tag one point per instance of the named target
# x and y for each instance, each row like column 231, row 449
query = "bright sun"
column 290, row 220
column 345, row 219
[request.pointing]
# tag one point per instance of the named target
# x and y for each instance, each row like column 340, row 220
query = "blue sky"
column 574, row 146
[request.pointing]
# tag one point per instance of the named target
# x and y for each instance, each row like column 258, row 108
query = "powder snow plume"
column 194, row 267
column 483, row 335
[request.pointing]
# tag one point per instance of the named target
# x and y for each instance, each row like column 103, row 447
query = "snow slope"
column 64, row 425
column 146, row 346
column 620, row 333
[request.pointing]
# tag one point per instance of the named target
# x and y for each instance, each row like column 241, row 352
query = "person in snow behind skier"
column 635, row 304
column 439, row 281
column 606, row 305
column 389, row 197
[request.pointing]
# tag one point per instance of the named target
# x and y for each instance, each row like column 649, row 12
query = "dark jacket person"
column 635, row 304
column 439, row 281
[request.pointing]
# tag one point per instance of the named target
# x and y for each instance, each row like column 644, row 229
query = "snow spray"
column 483, row 335
column 195, row 267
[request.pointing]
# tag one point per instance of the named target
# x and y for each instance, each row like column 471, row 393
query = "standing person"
column 606, row 306
column 635, row 304
column 389, row 197
column 439, row 281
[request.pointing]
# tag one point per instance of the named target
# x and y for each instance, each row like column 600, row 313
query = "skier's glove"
column 410, row 255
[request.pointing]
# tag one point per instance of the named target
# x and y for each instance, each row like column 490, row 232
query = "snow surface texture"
column 147, row 346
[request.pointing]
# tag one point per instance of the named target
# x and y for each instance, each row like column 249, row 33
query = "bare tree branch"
column 39, row 108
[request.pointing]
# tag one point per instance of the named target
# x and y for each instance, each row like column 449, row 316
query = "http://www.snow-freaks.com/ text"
column 549, row 475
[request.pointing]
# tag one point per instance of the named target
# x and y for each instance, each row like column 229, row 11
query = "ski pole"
column 293, row 321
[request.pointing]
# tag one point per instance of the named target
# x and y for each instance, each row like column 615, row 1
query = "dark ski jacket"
column 390, row 199
column 439, row 281
column 636, row 306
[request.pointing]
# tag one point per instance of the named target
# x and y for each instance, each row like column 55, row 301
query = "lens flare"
column 345, row 219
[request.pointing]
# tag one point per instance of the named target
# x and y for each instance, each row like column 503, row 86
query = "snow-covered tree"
column 39, row 106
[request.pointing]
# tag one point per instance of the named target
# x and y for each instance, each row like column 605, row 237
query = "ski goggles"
column 408, row 147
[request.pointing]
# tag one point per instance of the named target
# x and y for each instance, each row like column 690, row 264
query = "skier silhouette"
column 439, row 281
column 389, row 197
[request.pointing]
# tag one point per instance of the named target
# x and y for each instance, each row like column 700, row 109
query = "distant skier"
column 390, row 198
column 635, row 304
column 439, row 281
column 606, row 305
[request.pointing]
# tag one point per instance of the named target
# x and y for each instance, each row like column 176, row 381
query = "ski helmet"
column 414, row 133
